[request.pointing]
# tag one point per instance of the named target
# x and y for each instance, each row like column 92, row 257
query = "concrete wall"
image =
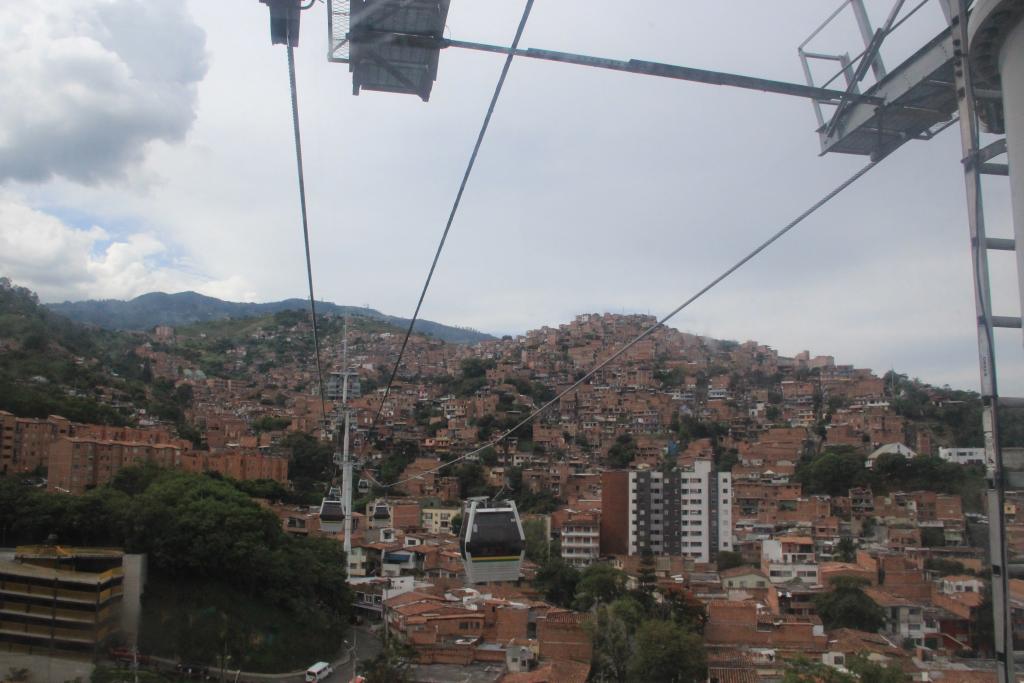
column 43, row 668
column 135, row 568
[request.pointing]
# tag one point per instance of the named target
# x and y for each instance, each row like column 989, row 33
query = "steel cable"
column 650, row 330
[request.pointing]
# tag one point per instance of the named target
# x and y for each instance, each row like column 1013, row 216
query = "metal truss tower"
column 971, row 72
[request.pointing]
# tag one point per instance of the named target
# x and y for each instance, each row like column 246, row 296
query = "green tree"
column 861, row 670
column 629, row 610
column 610, row 636
column 310, row 461
column 665, row 652
column 867, row 529
column 599, row 583
column 847, row 606
column 945, row 567
column 475, row 367
column 832, row 473
column 804, row 670
column 682, row 608
column 622, row 452
column 488, row 456
column 472, row 480
column 220, row 558
column 727, row 460
column 270, row 423
column 728, row 559
column 457, row 524
column 135, row 480
column 984, row 634
column 537, row 541
column 846, row 549
column 647, row 578
column 557, row 580
column 875, row 672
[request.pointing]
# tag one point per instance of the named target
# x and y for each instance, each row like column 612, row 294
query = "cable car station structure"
column 971, row 73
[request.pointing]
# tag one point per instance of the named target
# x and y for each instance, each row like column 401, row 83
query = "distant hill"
column 157, row 308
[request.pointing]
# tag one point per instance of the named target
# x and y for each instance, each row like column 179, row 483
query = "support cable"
column 650, row 330
column 305, row 230
column 455, row 208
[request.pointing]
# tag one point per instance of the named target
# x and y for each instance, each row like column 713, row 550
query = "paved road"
column 367, row 647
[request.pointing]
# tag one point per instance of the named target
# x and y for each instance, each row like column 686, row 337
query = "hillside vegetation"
column 225, row 578
column 157, row 308
column 50, row 365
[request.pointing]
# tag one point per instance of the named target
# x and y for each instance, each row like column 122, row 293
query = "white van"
column 318, row 672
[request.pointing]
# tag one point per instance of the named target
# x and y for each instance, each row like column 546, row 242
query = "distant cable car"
column 332, row 511
column 491, row 541
column 363, row 485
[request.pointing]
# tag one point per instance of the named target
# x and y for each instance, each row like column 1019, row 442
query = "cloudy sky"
column 150, row 149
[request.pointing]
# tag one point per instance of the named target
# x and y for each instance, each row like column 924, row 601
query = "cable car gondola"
column 491, row 541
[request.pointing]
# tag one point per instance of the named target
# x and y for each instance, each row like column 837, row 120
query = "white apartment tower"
column 683, row 512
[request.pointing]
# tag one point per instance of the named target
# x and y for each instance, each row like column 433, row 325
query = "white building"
column 581, row 539
column 963, row 456
column 685, row 512
column 371, row 592
column 790, row 557
column 890, row 449
column 950, row 585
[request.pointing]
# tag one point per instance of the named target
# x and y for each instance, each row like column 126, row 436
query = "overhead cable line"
column 650, row 330
column 305, row 230
column 455, row 207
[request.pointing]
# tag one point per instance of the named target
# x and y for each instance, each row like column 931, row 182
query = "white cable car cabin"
column 491, row 541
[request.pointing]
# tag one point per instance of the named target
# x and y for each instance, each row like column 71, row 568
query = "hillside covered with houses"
column 760, row 513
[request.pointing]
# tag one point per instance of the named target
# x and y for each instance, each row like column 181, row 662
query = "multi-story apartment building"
column 581, row 538
column 25, row 442
column 60, row 598
column 683, row 512
column 438, row 520
column 79, row 464
column 240, row 465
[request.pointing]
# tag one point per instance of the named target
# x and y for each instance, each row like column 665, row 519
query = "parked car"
column 198, row 672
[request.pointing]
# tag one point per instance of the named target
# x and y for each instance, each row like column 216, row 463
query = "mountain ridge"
column 182, row 308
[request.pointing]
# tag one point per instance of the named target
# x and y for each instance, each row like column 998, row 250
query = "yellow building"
column 438, row 520
column 60, row 599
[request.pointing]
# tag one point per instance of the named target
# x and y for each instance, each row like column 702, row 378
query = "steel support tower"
column 343, row 459
column 971, row 72
column 990, row 54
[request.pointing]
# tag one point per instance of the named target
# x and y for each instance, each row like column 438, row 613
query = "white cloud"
column 593, row 191
column 60, row 262
column 86, row 84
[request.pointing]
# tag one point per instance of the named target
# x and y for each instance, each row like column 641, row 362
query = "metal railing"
column 854, row 70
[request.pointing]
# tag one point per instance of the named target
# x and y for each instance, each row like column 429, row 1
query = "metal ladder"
column 977, row 161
